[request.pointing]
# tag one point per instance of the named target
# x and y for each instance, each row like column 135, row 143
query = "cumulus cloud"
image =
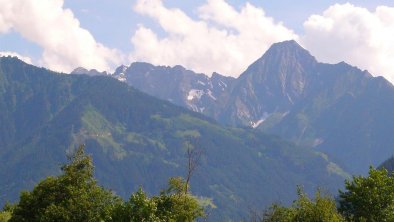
column 345, row 32
column 65, row 44
column 26, row 59
column 223, row 39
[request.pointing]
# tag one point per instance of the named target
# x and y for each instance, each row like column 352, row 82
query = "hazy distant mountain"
column 178, row 85
column 183, row 87
column 92, row 72
column 388, row 165
column 335, row 108
column 271, row 85
column 136, row 139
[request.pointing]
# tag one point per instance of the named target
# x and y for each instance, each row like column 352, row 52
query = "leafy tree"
column 320, row 209
column 5, row 216
column 177, row 203
column 138, row 208
column 369, row 198
column 72, row 196
column 173, row 204
column 275, row 213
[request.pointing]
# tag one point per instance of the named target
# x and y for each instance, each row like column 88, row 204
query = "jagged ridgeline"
column 335, row 108
column 136, row 139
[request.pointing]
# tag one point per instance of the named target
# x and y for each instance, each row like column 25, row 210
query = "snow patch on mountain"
column 260, row 121
column 200, row 82
column 222, row 85
column 196, row 108
column 209, row 93
column 120, row 73
column 122, row 77
column 195, row 93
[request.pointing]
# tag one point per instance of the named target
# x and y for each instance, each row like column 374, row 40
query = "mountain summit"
column 273, row 83
column 285, row 53
column 336, row 108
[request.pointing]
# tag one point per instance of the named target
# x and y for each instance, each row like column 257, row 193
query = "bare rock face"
column 178, row 85
column 274, row 83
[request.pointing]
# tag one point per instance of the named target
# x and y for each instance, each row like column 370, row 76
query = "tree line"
column 75, row 196
column 365, row 199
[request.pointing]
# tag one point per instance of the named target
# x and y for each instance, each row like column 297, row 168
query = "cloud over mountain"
column 226, row 40
column 14, row 54
column 355, row 35
column 216, row 37
column 222, row 39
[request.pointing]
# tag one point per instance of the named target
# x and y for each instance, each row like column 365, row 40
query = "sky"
column 202, row 35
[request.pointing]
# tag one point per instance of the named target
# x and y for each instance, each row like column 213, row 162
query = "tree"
column 369, row 198
column 178, row 204
column 320, row 209
column 5, row 216
column 172, row 205
column 193, row 155
column 138, row 208
column 72, row 196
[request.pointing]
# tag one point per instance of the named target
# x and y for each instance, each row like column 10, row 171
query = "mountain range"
column 337, row 109
column 139, row 140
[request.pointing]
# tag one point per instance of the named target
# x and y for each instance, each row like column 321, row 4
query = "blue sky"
column 203, row 35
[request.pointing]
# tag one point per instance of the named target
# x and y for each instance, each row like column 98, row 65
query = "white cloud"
column 227, row 40
column 223, row 39
column 65, row 44
column 26, row 59
column 355, row 35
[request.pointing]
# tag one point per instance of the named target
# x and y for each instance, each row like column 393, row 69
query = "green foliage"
column 369, row 198
column 177, row 204
column 138, row 208
column 320, row 209
column 72, row 196
column 75, row 196
column 5, row 216
column 171, row 205
column 276, row 213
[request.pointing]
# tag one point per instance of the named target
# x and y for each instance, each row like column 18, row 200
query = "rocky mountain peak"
column 286, row 56
column 120, row 69
column 290, row 47
column 275, row 81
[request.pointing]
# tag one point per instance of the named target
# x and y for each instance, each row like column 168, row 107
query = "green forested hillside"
column 138, row 140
